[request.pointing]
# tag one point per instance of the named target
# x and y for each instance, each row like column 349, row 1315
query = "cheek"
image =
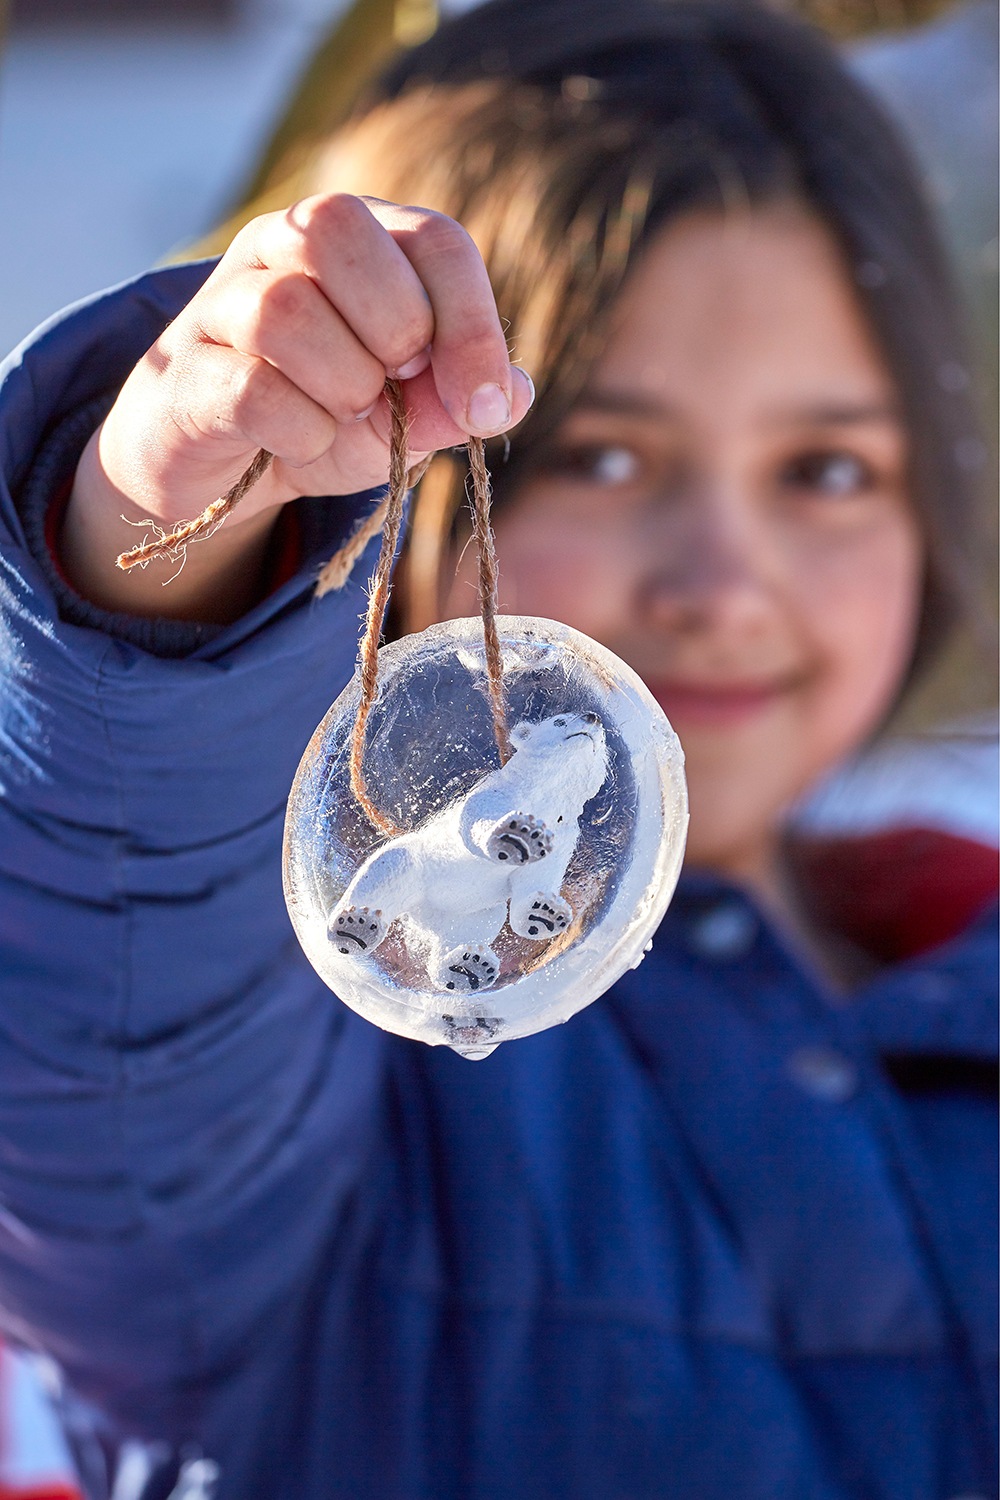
column 861, row 605
column 551, row 566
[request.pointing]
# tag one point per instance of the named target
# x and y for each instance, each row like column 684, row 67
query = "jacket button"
column 823, row 1073
column 728, row 930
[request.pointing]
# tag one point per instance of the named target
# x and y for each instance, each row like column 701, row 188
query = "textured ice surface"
column 513, row 897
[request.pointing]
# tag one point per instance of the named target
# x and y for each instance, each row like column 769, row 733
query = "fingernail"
column 489, row 409
column 415, row 365
column 531, row 384
column 360, row 416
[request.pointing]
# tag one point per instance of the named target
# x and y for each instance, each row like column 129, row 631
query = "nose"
column 711, row 571
column 590, row 718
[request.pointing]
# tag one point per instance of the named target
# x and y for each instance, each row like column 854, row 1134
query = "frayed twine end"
column 172, row 545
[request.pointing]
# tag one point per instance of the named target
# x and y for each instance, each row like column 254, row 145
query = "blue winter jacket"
column 717, row 1238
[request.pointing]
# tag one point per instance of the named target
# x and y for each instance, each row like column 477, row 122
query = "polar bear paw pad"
column 520, row 840
column 356, row 929
column 469, row 969
column 545, row 918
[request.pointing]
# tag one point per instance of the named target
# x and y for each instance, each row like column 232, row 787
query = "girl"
column 722, row 1235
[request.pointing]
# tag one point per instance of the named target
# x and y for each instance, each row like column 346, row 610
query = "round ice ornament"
column 497, row 899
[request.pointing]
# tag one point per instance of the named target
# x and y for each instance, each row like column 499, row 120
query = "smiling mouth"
column 717, row 705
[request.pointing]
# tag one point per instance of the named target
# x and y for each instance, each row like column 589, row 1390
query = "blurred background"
column 124, row 126
column 129, row 128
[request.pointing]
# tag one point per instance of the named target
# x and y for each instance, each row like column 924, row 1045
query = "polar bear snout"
column 583, row 726
column 579, row 726
column 544, row 735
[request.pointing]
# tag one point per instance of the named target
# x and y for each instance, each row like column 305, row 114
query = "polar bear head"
column 570, row 749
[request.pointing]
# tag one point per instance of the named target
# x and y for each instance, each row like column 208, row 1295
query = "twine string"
column 173, row 544
column 386, row 517
column 378, row 601
column 488, row 582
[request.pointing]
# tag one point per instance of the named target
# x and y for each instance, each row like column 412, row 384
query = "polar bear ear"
column 521, row 732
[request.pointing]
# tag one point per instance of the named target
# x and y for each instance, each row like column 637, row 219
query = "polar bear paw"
column 472, row 1030
column 355, row 930
column 466, row 970
column 519, row 840
column 540, row 916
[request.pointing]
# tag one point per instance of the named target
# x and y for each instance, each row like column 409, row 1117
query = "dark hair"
column 564, row 133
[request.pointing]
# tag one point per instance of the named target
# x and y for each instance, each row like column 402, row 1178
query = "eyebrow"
column 839, row 414
column 833, row 414
column 624, row 403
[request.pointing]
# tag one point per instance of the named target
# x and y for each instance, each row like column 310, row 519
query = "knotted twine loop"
column 378, row 600
column 386, row 518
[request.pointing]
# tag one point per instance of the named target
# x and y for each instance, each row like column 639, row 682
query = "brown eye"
column 828, row 473
column 604, row 463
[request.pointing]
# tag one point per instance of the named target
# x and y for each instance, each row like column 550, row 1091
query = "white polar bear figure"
column 498, row 853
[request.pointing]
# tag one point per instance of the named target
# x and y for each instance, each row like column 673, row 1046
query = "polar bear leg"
column 539, row 915
column 382, row 890
column 462, row 959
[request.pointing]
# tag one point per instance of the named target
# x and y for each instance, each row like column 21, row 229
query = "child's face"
column 726, row 508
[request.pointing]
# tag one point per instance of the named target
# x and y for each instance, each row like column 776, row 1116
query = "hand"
column 287, row 347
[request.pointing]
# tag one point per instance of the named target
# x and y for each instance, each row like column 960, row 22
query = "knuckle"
column 480, row 343
column 368, row 387
column 244, row 247
column 259, row 399
column 355, row 394
column 412, row 330
column 309, row 443
column 179, row 340
column 283, row 309
column 438, row 236
column 242, row 242
column 329, row 214
column 269, row 411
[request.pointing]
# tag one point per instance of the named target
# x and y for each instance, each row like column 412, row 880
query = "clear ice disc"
column 510, row 897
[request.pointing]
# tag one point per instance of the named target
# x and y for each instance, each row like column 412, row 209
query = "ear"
column 520, row 732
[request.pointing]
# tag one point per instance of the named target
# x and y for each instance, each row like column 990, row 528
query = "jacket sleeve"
column 184, row 1108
